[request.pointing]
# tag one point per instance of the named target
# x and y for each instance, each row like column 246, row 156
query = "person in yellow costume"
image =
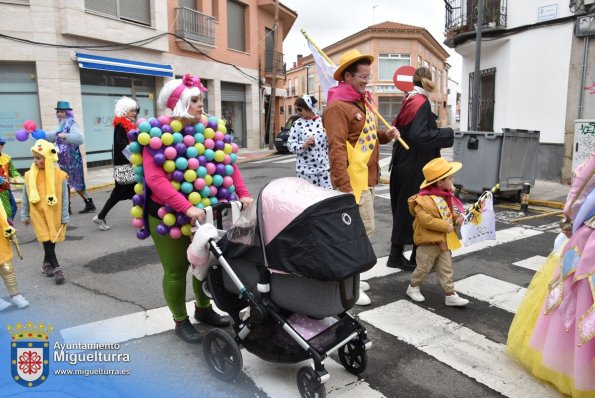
column 6, row 266
column 437, row 212
column 353, row 138
column 45, row 204
column 8, row 174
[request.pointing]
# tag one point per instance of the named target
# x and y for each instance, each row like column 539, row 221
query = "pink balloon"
column 175, row 233
column 138, row 223
column 234, row 147
column 199, row 184
column 227, row 159
column 227, row 181
column 211, row 168
column 189, row 140
column 219, row 136
column 140, row 120
column 193, row 163
column 29, row 125
column 21, row 135
column 213, row 190
column 164, row 119
column 161, row 212
column 170, row 152
column 155, row 143
column 209, row 143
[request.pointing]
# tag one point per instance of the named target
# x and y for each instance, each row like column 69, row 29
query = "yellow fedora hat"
column 347, row 59
column 437, row 169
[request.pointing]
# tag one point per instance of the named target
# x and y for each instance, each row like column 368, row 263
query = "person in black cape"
column 417, row 125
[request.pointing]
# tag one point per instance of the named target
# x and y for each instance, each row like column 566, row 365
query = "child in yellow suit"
column 45, row 204
column 437, row 212
column 6, row 267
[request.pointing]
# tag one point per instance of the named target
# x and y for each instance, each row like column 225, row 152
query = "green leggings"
column 172, row 253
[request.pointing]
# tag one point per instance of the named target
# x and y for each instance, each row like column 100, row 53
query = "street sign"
column 403, row 78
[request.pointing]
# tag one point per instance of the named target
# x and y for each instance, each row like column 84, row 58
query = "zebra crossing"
column 429, row 331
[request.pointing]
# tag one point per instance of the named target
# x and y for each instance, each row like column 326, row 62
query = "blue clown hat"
column 63, row 105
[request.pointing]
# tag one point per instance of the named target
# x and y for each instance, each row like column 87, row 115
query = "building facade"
column 92, row 52
column 393, row 45
column 534, row 71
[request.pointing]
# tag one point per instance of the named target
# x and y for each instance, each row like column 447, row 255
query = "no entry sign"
column 403, row 78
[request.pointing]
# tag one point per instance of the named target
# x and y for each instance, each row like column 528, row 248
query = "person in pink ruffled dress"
column 553, row 333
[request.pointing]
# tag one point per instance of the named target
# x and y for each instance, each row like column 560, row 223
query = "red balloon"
column 29, row 125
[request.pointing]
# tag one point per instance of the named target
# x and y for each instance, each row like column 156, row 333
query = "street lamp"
column 308, row 79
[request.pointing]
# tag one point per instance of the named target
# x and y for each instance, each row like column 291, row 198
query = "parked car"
column 283, row 135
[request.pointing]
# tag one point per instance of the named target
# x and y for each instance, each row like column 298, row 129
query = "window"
column 295, row 85
column 434, row 77
column 487, row 88
column 419, row 63
column 303, row 85
column 289, row 110
column 289, row 89
column 440, row 84
column 426, row 64
column 389, row 63
column 389, row 107
column 127, row 10
column 215, row 8
column 310, row 84
column 236, row 27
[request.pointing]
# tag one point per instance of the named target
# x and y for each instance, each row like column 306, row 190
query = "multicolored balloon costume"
column 197, row 159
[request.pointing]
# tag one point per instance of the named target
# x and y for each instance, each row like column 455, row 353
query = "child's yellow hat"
column 437, row 169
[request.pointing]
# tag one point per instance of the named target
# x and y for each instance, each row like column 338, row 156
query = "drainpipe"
column 476, row 78
column 581, row 95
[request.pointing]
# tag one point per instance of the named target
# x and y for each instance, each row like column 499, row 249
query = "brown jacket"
column 428, row 226
column 344, row 121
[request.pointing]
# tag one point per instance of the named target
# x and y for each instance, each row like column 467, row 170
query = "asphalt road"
column 113, row 288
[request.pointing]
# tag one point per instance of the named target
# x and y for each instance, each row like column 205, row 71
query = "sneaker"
column 20, row 301
column 186, row 332
column 102, row 223
column 58, row 276
column 209, row 316
column 47, row 270
column 364, row 286
column 4, row 304
column 415, row 294
column 454, row 300
column 363, row 299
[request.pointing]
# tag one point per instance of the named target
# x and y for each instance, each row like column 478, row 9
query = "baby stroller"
column 287, row 273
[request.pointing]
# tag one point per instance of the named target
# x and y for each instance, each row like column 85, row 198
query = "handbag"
column 124, row 174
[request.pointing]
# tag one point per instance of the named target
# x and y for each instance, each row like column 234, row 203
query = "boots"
column 89, row 206
column 209, row 316
column 396, row 259
column 186, row 332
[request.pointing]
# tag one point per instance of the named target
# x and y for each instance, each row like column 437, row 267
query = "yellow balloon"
column 186, row 229
column 208, row 179
column 219, row 156
column 167, row 138
column 176, row 126
column 206, row 202
column 169, row 219
column 144, row 138
column 190, row 175
column 194, row 198
column 136, row 211
column 222, row 128
column 209, row 133
column 227, row 149
column 176, row 185
column 138, row 188
column 169, row 166
column 136, row 159
column 200, row 148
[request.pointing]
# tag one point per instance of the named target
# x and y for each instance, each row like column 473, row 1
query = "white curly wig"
column 181, row 107
column 124, row 105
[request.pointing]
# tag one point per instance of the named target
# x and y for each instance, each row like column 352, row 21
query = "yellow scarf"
column 452, row 240
column 359, row 155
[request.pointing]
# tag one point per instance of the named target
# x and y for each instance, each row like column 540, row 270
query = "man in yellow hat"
column 353, row 136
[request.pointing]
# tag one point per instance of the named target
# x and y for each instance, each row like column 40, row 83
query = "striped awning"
column 88, row 61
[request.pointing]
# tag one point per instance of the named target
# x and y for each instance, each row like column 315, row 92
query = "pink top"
column 162, row 192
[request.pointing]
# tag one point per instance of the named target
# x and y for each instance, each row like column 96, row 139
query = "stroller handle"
column 214, row 214
column 224, row 205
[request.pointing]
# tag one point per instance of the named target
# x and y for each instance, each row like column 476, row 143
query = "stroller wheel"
column 206, row 290
column 222, row 354
column 354, row 357
column 308, row 383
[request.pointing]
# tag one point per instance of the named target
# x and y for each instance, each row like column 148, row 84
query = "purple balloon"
column 159, row 159
column 223, row 193
column 220, row 169
column 232, row 197
column 227, row 138
column 180, row 148
column 168, row 209
column 166, row 128
column 154, row 122
column 133, row 135
column 162, row 229
column 138, row 200
column 181, row 219
column 219, row 145
column 202, row 160
column 189, row 130
column 213, row 123
column 178, row 175
column 142, row 234
column 21, row 135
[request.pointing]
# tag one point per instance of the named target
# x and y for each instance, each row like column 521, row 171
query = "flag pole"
column 372, row 108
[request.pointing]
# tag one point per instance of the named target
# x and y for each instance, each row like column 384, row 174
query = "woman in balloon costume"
column 183, row 163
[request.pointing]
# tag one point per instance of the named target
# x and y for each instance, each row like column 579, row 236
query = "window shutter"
column 136, row 10
column 108, row 7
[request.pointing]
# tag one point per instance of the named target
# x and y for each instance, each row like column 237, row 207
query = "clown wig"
column 124, row 105
column 180, row 109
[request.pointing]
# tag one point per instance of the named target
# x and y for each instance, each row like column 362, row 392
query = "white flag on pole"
column 325, row 71
column 480, row 224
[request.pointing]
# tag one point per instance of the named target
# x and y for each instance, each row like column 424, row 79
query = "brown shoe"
column 58, row 276
column 47, row 270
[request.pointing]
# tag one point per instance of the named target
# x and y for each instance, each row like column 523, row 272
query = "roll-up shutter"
column 233, row 92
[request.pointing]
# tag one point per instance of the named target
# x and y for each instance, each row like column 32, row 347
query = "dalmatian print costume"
column 312, row 164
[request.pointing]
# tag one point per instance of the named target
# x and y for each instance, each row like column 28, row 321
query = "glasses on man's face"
column 366, row 77
column 298, row 109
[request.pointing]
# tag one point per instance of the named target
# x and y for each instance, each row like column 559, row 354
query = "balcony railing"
column 461, row 18
column 268, row 64
column 194, row 25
